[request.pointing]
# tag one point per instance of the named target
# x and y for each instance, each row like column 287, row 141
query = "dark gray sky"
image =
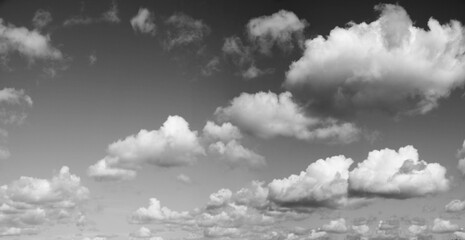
column 175, row 100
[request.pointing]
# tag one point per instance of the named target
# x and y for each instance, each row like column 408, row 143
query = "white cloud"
column 183, row 30
column 282, row 28
column 444, row 226
column 142, row 232
column 324, row 183
column 29, row 202
column 184, row 179
column 92, row 58
column 144, row 22
column 220, row 198
column 156, row 212
column 224, row 132
column 388, row 65
column 215, row 232
column 41, row 19
column 455, row 206
column 335, row 226
column 461, row 153
column 30, row 44
column 174, row 144
column 398, row 174
column 268, row 115
column 234, row 154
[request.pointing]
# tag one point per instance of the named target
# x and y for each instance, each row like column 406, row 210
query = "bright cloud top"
column 267, row 115
column 388, row 65
column 398, row 174
column 144, row 22
column 279, row 29
column 28, row 202
column 174, row 144
column 461, row 155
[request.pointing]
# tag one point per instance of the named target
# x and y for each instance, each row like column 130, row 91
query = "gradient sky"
column 131, row 85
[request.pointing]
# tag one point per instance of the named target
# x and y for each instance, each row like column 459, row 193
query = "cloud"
column 234, row 154
column 397, row 174
column 215, row 232
column 112, row 14
column 267, row 115
column 13, row 103
column 41, row 19
column 212, row 66
column 184, row 179
column 144, row 22
column 109, row 16
column 444, row 226
column 28, row 43
column 461, row 164
column 455, row 206
column 335, row 226
column 322, row 184
column 156, row 212
column 224, row 132
column 174, row 144
column 388, row 65
column 183, row 30
column 28, row 202
column 142, row 232
column 282, row 29
column 92, row 58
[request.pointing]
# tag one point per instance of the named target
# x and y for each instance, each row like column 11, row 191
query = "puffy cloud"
column 280, row 28
column 142, row 232
column 417, row 229
column 212, row 66
column 459, row 234
column 30, row 44
column 30, row 202
column 268, row 115
column 324, row 183
column 455, row 206
column 174, row 144
column 215, row 232
column 335, row 226
column 144, row 22
column 444, row 226
column 41, row 19
column 183, row 30
column 92, row 58
column 156, row 212
column 388, row 65
column 220, row 198
column 234, row 154
column 224, row 132
column 461, row 164
column 397, row 174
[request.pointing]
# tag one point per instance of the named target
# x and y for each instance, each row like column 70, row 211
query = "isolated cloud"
column 461, row 155
column 455, row 206
column 268, row 115
column 30, row 44
column 41, row 19
column 283, row 29
column 183, row 30
column 322, row 184
column 184, row 178
column 397, row 174
column 29, row 203
column 335, row 226
column 444, row 226
column 144, row 22
column 174, row 144
column 156, row 212
column 388, row 65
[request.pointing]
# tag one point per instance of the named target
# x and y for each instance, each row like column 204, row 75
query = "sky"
column 214, row 119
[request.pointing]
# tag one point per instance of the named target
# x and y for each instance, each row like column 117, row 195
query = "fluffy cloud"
column 183, row 30
column 174, row 144
column 279, row 29
column 155, row 212
column 397, row 174
column 224, row 132
column 444, row 226
column 269, row 115
column 144, row 22
column 388, row 65
column 142, row 232
column 324, row 183
column 335, row 226
column 243, row 57
column 28, row 203
column 30, row 44
column 234, row 154
column 455, row 206
column 41, row 19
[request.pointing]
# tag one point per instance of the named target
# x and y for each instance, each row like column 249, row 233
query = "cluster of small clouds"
column 109, row 16
column 174, row 144
column 13, row 104
column 388, row 65
column 27, row 204
column 282, row 30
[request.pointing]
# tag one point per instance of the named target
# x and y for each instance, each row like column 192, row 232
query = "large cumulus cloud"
column 389, row 65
